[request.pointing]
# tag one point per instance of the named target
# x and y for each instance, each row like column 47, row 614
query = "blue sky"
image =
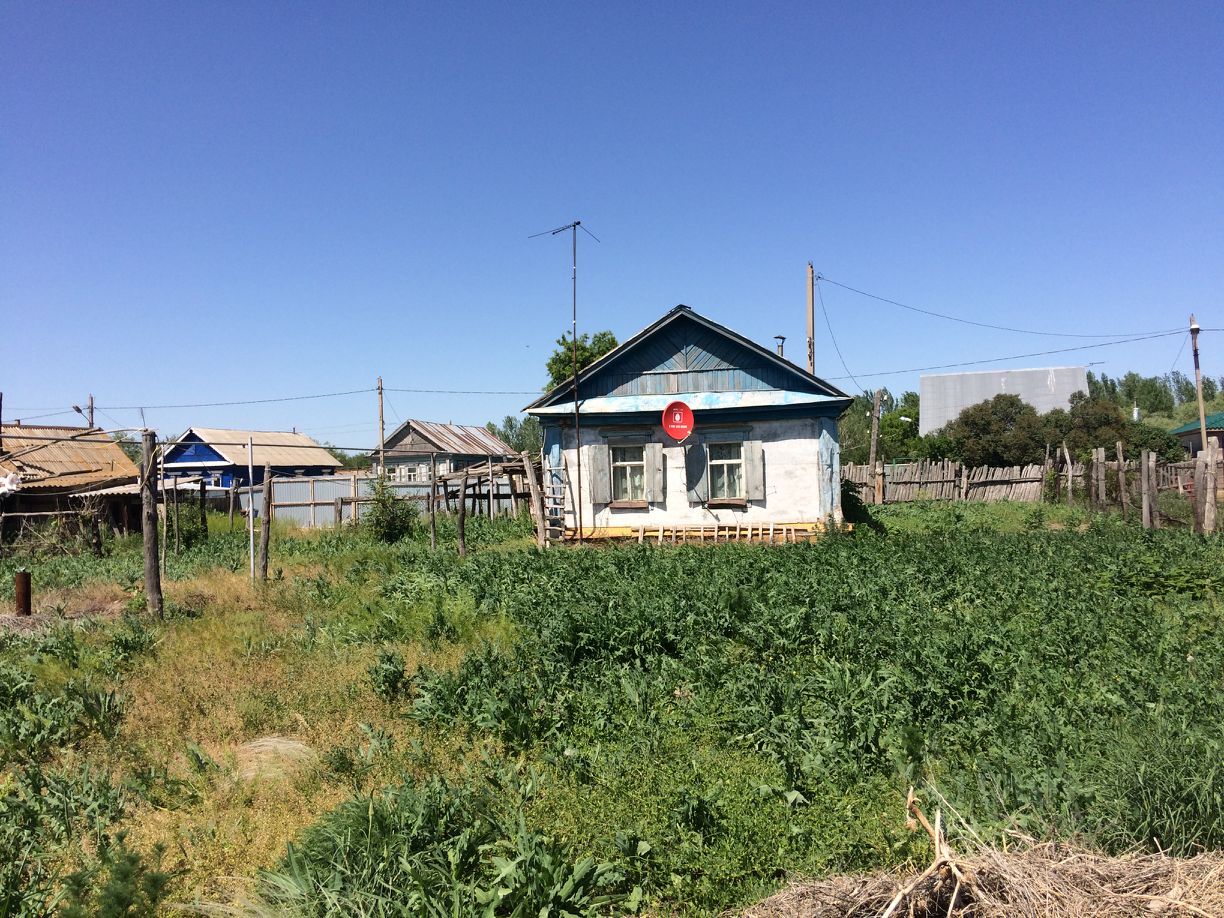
column 218, row 202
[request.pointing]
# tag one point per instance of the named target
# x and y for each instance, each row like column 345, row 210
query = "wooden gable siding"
column 687, row 357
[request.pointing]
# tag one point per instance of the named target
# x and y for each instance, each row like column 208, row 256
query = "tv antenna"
column 573, row 228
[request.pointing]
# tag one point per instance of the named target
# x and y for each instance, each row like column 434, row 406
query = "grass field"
column 384, row 730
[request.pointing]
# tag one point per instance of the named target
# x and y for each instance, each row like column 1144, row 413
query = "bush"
column 387, row 517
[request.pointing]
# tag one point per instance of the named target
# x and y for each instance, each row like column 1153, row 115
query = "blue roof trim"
column 698, row 401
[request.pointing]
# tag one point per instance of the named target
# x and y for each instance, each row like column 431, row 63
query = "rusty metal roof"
column 271, row 447
column 63, row 458
column 458, row 439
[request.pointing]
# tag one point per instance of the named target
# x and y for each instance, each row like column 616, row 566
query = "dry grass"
column 241, row 685
column 1037, row 881
column 1031, row 880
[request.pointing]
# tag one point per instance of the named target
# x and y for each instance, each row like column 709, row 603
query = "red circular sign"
column 678, row 421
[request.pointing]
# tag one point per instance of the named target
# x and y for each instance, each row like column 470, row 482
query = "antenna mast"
column 573, row 228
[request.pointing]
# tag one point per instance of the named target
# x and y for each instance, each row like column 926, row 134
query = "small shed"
column 48, row 470
column 763, row 455
column 219, row 455
column 1191, row 436
column 415, row 443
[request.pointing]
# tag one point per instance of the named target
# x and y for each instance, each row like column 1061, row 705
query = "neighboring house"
column 1191, row 437
column 219, row 455
column 943, row 396
column 764, row 448
column 414, row 443
column 49, row 469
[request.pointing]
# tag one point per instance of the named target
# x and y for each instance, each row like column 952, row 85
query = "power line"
column 253, row 401
column 35, row 417
column 464, row 391
column 833, row 337
column 1006, row 328
column 1179, row 353
column 1061, row 350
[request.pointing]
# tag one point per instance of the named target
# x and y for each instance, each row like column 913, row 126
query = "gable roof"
column 1215, row 421
column 781, row 368
column 460, row 439
column 63, row 458
column 271, row 447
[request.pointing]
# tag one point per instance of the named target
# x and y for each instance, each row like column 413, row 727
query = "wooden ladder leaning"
column 553, row 488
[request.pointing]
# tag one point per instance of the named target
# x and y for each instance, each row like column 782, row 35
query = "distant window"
column 411, row 473
column 628, row 473
column 726, row 470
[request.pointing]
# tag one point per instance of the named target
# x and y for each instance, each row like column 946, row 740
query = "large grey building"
column 945, row 395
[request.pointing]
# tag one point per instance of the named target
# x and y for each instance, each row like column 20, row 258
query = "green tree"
column 355, row 460
column 1002, row 431
column 522, row 436
column 560, row 365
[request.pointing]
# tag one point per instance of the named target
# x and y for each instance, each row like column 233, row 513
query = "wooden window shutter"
column 697, row 471
column 601, row 473
column 754, row 470
column 653, row 456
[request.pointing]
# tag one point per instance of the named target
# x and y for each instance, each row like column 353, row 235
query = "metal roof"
column 63, row 458
column 459, row 439
column 943, row 396
column 1214, row 422
column 272, row 447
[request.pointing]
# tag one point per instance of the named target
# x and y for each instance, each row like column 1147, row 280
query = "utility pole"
column 382, row 439
column 811, row 317
column 875, row 439
column 89, row 412
column 1198, row 383
column 148, row 522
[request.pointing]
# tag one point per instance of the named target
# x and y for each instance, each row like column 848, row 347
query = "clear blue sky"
column 206, row 202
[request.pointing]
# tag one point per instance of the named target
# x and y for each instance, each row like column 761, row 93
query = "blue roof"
column 686, row 354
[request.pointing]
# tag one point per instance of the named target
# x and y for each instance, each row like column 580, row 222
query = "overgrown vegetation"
column 670, row 729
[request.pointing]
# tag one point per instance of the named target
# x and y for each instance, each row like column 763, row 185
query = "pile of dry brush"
column 1030, row 881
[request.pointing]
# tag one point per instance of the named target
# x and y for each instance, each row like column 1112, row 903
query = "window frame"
column 628, row 502
column 726, row 500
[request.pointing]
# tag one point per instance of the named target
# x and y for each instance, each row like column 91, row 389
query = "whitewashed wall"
column 802, row 479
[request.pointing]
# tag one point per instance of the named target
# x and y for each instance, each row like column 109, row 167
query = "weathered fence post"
column 1103, row 484
column 1145, row 489
column 879, row 481
column 433, row 502
column 204, row 509
column 178, row 544
column 1123, row 495
column 877, row 488
column 22, row 593
column 537, row 502
column 1209, row 498
column 265, row 530
column 1070, row 474
column 148, row 523
column 1154, row 488
column 462, row 516
column 490, row 487
column 233, row 496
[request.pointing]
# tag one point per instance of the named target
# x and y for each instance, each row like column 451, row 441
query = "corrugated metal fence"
column 329, row 500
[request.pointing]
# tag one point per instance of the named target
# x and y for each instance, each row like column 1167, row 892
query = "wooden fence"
column 945, row 480
column 1163, row 493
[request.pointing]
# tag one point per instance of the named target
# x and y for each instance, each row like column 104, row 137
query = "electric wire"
column 1179, row 352
column 833, row 337
column 1006, row 328
column 1061, row 350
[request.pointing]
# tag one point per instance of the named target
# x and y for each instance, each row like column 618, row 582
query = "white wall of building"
column 802, row 478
